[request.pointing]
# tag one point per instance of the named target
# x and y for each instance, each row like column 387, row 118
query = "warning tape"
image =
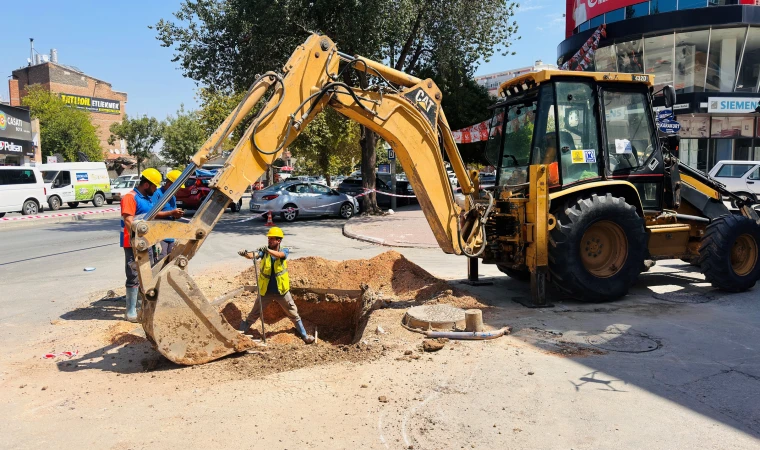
column 68, row 354
column 49, row 216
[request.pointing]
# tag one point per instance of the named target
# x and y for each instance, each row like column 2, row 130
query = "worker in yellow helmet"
column 167, row 244
column 274, row 265
column 134, row 203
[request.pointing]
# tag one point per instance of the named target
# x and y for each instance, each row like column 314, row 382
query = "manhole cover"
column 683, row 297
column 627, row 342
column 435, row 317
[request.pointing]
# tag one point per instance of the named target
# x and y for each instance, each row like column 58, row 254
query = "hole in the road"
column 335, row 315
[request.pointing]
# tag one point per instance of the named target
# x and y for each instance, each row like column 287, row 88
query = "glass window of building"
column 750, row 68
column 689, row 4
column 629, row 56
column 605, row 59
column 661, row 6
column 694, row 127
column 658, row 59
column 725, row 48
column 584, row 26
column 615, row 16
column 720, row 150
column 742, row 149
column 637, row 10
column 596, row 21
column 693, row 153
column 691, row 61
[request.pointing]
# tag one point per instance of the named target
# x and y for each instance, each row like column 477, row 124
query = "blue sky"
column 111, row 41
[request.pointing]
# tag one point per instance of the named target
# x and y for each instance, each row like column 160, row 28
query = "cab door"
column 64, row 187
column 753, row 181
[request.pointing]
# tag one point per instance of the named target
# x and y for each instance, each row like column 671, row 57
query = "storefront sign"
column 16, row 147
column 15, row 123
column 579, row 11
column 732, row 105
column 668, row 126
column 92, row 104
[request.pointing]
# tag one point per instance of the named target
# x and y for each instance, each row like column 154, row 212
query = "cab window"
column 630, row 137
column 577, row 133
column 518, row 135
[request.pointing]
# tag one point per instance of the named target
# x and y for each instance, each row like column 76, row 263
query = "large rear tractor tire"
column 728, row 254
column 597, row 248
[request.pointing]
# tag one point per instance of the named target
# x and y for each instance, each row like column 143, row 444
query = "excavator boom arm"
column 405, row 112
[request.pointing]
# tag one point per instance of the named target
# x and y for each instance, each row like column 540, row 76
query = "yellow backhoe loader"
column 586, row 195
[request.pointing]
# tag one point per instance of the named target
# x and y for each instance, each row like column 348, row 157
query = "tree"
column 223, row 44
column 183, row 136
column 64, row 129
column 329, row 145
column 141, row 135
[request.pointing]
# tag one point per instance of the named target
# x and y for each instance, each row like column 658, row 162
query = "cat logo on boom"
column 424, row 103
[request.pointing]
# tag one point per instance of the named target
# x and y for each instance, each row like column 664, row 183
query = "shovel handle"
column 258, row 297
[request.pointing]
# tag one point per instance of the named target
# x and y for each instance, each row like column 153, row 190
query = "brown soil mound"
column 389, row 273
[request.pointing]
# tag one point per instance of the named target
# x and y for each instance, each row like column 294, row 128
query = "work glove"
column 263, row 250
column 244, row 253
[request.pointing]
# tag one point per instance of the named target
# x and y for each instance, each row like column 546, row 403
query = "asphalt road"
column 676, row 371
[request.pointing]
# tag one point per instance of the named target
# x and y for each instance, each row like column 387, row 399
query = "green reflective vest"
column 280, row 274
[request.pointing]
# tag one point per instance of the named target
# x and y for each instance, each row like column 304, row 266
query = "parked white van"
column 74, row 183
column 21, row 190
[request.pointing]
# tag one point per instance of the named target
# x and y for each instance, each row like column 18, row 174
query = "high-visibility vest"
column 280, row 274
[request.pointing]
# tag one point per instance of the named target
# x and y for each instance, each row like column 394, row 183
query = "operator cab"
column 584, row 127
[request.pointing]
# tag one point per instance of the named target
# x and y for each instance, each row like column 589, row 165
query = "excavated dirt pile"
column 334, row 298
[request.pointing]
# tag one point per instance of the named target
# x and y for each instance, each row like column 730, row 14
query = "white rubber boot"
column 131, row 314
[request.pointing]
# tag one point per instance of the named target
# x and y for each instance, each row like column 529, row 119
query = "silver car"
column 293, row 199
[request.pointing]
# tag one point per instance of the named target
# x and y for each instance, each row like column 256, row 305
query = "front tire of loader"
column 728, row 254
column 597, row 248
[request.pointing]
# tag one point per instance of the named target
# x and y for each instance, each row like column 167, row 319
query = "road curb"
column 16, row 224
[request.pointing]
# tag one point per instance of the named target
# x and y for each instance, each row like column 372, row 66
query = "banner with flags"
column 479, row 131
column 585, row 55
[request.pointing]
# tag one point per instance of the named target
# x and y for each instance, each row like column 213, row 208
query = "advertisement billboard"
column 15, row 123
column 92, row 104
column 579, row 11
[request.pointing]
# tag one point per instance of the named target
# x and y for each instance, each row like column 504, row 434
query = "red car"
column 195, row 191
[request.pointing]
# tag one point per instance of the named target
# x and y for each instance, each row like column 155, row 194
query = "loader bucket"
column 183, row 326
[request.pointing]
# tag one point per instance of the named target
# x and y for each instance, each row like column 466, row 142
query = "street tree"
column 223, row 44
column 64, row 129
column 183, row 136
column 141, row 135
column 329, row 145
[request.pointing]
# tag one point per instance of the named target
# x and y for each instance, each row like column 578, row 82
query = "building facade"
column 709, row 50
column 493, row 80
column 106, row 106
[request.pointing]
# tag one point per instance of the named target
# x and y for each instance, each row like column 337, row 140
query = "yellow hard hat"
column 276, row 232
column 152, row 175
column 173, row 175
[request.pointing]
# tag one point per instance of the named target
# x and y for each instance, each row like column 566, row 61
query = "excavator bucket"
column 184, row 326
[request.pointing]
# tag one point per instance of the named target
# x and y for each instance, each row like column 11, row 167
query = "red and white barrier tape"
column 68, row 354
column 50, row 216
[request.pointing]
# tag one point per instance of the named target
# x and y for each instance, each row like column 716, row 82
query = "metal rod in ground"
column 258, row 297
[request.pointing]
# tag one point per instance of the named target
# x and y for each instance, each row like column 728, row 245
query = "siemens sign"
column 732, row 105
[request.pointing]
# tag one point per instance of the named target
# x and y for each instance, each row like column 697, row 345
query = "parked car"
column 195, row 190
column 740, row 177
column 22, row 189
column 120, row 189
column 76, row 182
column 353, row 186
column 293, row 199
column 121, row 178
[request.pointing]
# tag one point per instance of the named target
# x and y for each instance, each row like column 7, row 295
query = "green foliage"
column 64, row 130
column 141, row 135
column 183, row 136
column 328, row 146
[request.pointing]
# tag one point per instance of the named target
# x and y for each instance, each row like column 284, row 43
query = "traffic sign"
column 391, row 154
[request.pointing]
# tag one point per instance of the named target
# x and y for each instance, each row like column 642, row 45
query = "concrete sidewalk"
column 406, row 227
